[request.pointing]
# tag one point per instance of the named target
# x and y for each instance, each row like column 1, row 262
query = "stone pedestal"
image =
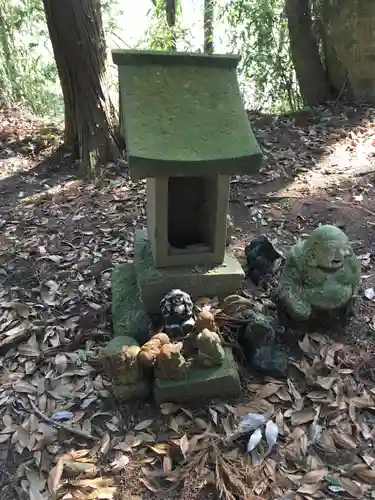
column 201, row 383
column 198, row 281
column 138, row 287
column 136, row 292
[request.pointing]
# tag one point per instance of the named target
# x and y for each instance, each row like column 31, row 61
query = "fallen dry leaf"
column 184, row 445
column 302, row 417
column 367, row 475
column 167, row 464
column 351, row 487
column 143, row 425
column 314, row 476
column 119, row 463
column 55, row 476
column 268, row 390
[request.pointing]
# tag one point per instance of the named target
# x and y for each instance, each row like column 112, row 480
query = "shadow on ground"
column 61, row 237
column 293, row 144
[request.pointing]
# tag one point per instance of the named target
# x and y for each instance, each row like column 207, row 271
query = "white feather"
column 254, row 440
column 250, row 422
column 272, row 433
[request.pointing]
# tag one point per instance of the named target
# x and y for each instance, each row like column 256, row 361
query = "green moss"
column 198, row 281
column 141, row 57
column 115, row 345
column 125, row 392
column 185, row 118
column 128, row 315
column 147, row 272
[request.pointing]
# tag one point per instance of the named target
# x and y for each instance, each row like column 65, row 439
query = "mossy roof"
column 182, row 114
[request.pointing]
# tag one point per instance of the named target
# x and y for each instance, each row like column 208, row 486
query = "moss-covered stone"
column 123, row 393
column 271, row 361
column 197, row 281
column 201, row 383
column 184, row 115
column 122, row 366
column 321, row 273
column 116, row 344
column 128, row 315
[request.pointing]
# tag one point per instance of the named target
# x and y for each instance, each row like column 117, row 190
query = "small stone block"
column 128, row 315
column 115, row 345
column 197, row 281
column 124, row 393
column 201, row 383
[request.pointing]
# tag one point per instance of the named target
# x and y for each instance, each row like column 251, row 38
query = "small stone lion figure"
column 321, row 272
column 131, row 367
column 205, row 319
column 124, row 366
column 170, row 364
column 178, row 312
column 210, row 350
column 150, row 350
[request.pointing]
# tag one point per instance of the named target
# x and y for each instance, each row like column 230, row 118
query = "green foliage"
column 28, row 73
column 258, row 28
column 159, row 35
column 260, row 35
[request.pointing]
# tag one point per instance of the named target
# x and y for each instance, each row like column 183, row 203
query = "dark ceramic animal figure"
column 260, row 257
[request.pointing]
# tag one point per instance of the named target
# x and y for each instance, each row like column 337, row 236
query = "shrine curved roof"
column 183, row 114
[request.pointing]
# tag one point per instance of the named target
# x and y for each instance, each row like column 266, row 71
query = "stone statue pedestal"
column 202, row 383
column 186, row 132
column 203, row 280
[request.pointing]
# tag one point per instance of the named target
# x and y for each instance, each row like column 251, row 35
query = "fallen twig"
column 60, row 425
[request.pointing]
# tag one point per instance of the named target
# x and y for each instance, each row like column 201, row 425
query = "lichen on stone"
column 150, row 350
column 129, row 317
column 210, row 350
column 170, row 363
column 321, row 272
column 121, row 364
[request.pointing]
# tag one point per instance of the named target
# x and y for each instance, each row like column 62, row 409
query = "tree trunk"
column 170, row 9
column 350, row 47
column 76, row 31
column 208, row 20
column 311, row 75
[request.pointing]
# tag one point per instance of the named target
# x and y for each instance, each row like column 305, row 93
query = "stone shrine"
column 186, row 132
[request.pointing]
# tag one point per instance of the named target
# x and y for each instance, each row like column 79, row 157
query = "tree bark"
column 208, row 20
column 76, row 32
column 348, row 27
column 311, row 75
column 170, row 10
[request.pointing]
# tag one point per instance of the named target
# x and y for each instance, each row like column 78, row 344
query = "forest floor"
column 59, row 241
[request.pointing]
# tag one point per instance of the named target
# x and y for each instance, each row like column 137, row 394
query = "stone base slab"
column 201, row 383
column 198, row 281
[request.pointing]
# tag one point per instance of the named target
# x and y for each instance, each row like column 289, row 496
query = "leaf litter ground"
column 61, row 436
